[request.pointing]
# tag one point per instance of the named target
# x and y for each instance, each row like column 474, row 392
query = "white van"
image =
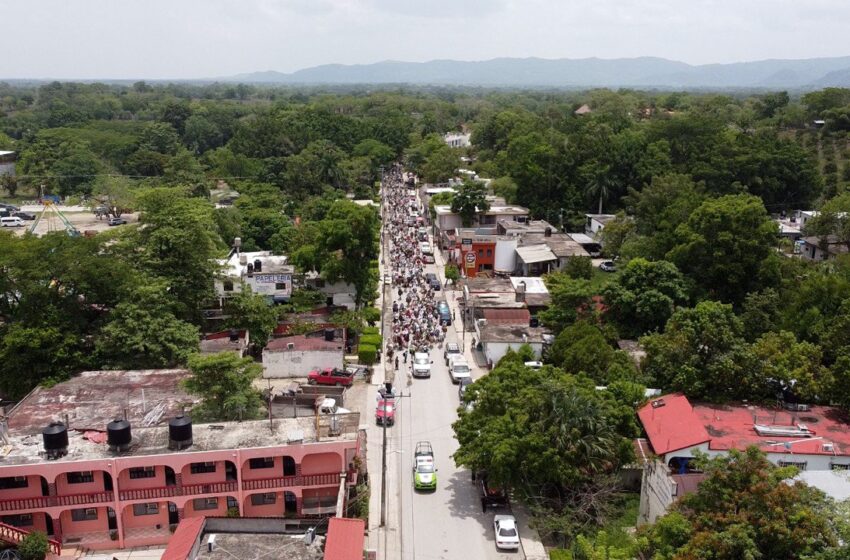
column 11, row 221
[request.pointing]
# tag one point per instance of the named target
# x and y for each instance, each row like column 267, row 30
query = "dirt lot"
column 82, row 219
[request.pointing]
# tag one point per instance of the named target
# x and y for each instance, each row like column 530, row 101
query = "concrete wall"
column 292, row 363
column 656, row 492
column 495, row 351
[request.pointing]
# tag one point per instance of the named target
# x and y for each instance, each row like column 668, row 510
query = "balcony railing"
column 14, row 535
column 325, row 479
column 186, row 490
column 41, row 502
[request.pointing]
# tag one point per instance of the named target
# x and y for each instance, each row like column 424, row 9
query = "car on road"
column 608, row 266
column 9, row 207
column 421, row 364
column 330, row 376
column 492, row 496
column 116, row 221
column 24, row 215
column 462, row 385
column 11, row 221
column 459, row 369
column 385, row 412
column 424, row 471
column 507, row 536
column 433, row 281
column 422, row 236
column 445, row 313
column 428, row 259
column 452, row 349
column 425, row 248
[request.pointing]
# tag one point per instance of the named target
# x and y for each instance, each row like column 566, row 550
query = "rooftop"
column 561, row 244
column 583, row 239
column 236, row 266
column 489, row 285
column 511, row 333
column 834, row 483
column 345, row 539
column 303, row 343
column 533, row 284
column 221, row 341
column 502, row 300
column 675, row 424
column 601, row 218
column 833, row 244
column 92, row 399
column 535, row 253
column 532, row 226
column 507, row 316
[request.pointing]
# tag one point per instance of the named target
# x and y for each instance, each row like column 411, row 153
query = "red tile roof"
column 671, row 424
column 303, row 343
column 184, row 538
column 507, row 316
column 679, row 425
column 345, row 539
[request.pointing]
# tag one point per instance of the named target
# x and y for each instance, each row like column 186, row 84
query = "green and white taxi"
column 424, row 471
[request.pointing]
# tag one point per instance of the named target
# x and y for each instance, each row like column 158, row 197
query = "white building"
column 297, row 356
column 497, row 339
column 266, row 274
column 7, row 162
column 594, row 223
column 457, row 139
column 811, row 438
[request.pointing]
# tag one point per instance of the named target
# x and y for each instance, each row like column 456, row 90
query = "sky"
column 173, row 39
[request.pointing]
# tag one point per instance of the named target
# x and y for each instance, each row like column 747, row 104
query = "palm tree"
column 601, row 185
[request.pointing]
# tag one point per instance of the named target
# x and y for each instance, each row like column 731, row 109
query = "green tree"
column 225, row 383
column 254, row 313
column 582, row 348
column 469, row 200
column 644, row 296
column 143, row 333
column 579, row 267
column 440, row 165
column 761, row 313
column 571, row 299
column 746, row 508
column 833, row 220
column 34, row 546
column 701, row 353
column 792, row 365
column 115, row 194
column 726, row 246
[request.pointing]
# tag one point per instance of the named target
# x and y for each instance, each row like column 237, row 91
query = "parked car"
column 459, row 369
column 116, row 221
column 424, row 471
column 507, row 536
column 433, row 281
column 9, row 207
column 330, row 376
column 452, row 349
column 491, row 496
column 445, row 313
column 425, row 247
column 385, row 412
column 608, row 266
column 11, row 221
column 421, row 365
column 534, row 365
column 428, row 259
column 422, row 236
column 24, row 215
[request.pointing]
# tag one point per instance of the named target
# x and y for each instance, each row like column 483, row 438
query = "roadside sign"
column 470, row 260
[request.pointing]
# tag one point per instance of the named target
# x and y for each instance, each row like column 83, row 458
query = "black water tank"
column 55, row 439
column 179, row 432
column 258, row 265
column 330, row 334
column 234, row 335
column 250, row 268
column 118, row 434
column 534, row 322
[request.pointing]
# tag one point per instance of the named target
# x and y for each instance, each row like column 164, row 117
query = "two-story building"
column 109, row 459
column 446, row 221
column 811, row 438
column 266, row 274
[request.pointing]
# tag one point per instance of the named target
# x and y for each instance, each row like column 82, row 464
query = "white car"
column 421, row 365
column 534, row 365
column 459, row 369
column 507, row 536
column 425, row 247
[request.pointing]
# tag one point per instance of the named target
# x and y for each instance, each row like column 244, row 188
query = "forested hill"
column 586, row 72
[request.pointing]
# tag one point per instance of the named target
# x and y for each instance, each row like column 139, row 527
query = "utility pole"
column 389, row 387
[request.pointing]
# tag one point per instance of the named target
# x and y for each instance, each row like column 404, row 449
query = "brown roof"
column 507, row 316
column 301, row 343
column 94, row 398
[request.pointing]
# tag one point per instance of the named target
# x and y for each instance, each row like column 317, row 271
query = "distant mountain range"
column 643, row 72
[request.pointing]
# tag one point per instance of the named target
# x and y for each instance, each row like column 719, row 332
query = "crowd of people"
column 415, row 320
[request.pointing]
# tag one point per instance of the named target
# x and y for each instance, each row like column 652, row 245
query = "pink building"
column 130, row 483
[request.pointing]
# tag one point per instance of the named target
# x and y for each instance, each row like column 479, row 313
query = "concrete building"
column 812, row 438
column 447, row 222
column 225, row 341
column 266, row 274
column 339, row 294
column 595, row 223
column 297, row 356
column 496, row 339
column 457, row 139
column 72, row 470
column 7, row 162
column 821, row 248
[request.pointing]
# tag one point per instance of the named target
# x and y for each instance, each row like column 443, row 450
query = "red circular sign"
column 470, row 258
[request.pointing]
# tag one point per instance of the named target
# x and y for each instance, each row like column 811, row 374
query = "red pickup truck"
column 331, row 376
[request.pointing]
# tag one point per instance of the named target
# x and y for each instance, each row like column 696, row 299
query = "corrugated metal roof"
column 345, row 539
column 535, row 254
column 184, row 538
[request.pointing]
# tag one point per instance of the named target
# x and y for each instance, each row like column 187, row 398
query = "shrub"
column 370, row 330
column 579, row 267
column 371, row 315
column 367, row 354
column 33, row 546
column 371, row 340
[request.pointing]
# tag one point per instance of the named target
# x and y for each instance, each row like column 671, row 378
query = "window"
column 200, row 468
column 800, row 465
column 8, row 482
column 480, row 252
column 280, row 286
column 261, row 463
column 200, row 504
column 142, row 472
column 840, row 466
column 80, row 477
column 228, row 286
column 145, row 509
column 232, row 503
column 263, row 499
column 489, row 252
column 85, row 514
column 22, row 520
